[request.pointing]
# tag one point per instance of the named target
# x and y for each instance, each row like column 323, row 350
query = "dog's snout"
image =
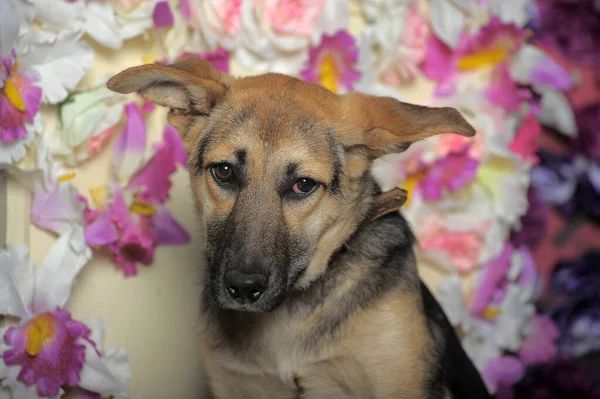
column 245, row 288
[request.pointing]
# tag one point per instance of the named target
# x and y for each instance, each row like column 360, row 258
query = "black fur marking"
column 454, row 368
column 204, row 142
column 337, row 163
column 291, row 170
column 240, row 157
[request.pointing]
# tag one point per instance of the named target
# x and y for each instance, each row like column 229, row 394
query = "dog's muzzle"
column 245, row 288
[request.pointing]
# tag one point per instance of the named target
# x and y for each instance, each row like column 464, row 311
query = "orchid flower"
column 333, row 63
column 47, row 352
column 130, row 218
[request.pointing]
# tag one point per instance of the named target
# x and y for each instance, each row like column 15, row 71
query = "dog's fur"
column 345, row 314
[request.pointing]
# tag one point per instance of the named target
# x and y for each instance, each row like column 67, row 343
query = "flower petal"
column 57, row 272
column 101, row 25
column 102, row 231
column 166, row 230
column 533, row 66
column 556, row 112
column 16, row 281
column 9, row 28
column 446, row 21
column 511, row 11
column 107, row 375
column 60, row 65
column 128, row 153
column 162, row 15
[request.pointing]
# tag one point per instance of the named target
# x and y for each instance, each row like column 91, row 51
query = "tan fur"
column 382, row 351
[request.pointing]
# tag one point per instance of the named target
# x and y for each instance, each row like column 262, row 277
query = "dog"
column 310, row 288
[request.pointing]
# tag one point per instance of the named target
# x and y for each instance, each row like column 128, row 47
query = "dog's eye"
column 304, row 186
column 223, row 172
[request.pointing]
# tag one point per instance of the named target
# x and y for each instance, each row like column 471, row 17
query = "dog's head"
column 278, row 168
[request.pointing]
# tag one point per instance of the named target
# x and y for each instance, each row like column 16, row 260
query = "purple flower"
column 333, row 63
column 573, row 302
column 533, row 223
column 450, row 173
column 572, row 27
column 572, row 184
column 561, row 379
column 48, row 350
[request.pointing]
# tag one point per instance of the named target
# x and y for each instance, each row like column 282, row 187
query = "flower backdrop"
column 493, row 214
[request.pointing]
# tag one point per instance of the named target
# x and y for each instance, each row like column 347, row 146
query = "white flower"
column 400, row 38
column 37, row 297
column 218, row 22
column 88, row 119
column 368, row 82
column 276, row 34
column 60, row 65
column 510, row 11
column 134, row 17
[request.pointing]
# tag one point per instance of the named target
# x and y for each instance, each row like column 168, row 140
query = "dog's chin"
column 267, row 303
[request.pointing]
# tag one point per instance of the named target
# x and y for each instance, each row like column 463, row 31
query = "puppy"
column 306, row 294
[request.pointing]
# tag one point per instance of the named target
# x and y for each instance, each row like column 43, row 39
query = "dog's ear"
column 190, row 87
column 384, row 125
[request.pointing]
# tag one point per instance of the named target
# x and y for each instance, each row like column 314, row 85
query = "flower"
column 129, row 150
column 503, row 371
column 493, row 45
column 400, row 47
column 55, row 206
column 275, row 34
column 524, row 142
column 572, row 184
column 572, row 28
column 540, row 345
column 130, row 221
column 573, row 302
column 333, row 63
column 533, row 223
column 451, row 173
column 217, row 22
column 88, row 122
column 19, row 98
column 162, row 15
column 47, row 350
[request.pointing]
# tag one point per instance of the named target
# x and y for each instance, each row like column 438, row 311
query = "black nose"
column 245, row 288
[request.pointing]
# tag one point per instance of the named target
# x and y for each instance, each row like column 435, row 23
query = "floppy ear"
column 385, row 125
column 190, row 87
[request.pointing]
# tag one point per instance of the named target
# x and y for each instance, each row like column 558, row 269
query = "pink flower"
column 333, row 63
column 48, row 350
column 128, row 152
column 494, row 282
column 295, row 17
column 502, row 372
column 492, row 46
column 463, row 247
column 505, row 92
column 525, row 141
column 450, row 173
column 540, row 345
column 131, row 231
column 410, row 50
column 229, row 12
column 217, row 21
column 154, row 177
column 19, row 100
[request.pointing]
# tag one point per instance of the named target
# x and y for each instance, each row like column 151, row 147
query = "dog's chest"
column 374, row 355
